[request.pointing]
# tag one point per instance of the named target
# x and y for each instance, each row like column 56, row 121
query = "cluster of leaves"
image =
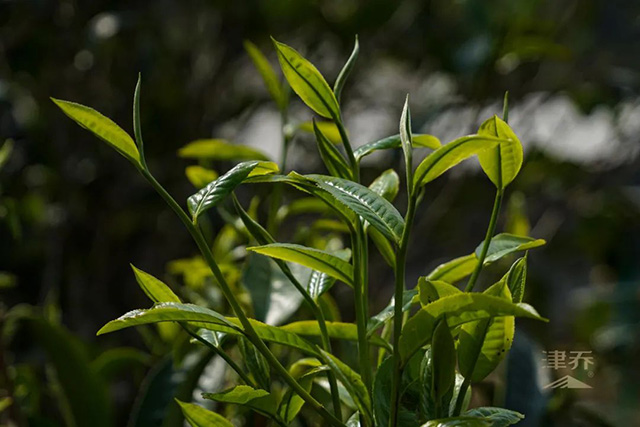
column 432, row 340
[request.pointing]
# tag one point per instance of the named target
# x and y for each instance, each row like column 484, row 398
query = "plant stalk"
column 487, row 240
column 359, row 286
column 400, row 267
column 251, row 334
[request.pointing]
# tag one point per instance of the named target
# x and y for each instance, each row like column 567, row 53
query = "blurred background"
column 73, row 214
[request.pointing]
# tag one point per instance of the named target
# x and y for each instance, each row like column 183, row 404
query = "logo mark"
column 574, row 360
column 567, row 382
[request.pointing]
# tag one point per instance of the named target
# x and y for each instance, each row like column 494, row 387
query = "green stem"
column 347, row 147
column 222, row 354
column 400, row 267
column 276, row 196
column 361, row 315
column 467, row 376
column 251, row 334
column 487, row 240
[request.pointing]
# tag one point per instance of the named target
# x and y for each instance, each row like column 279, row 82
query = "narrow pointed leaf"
column 155, row 289
column 5, row 152
column 387, row 313
column 333, row 160
column 454, row 270
column 501, row 163
column 449, row 155
column 200, row 176
column 273, row 334
column 167, row 312
column 320, row 282
column 305, row 80
column 432, row 290
column 386, row 185
column 259, row 400
column 137, row 126
column 418, row 140
column 405, row 138
column 364, row 202
column 352, row 382
column 346, row 70
column 504, row 244
column 328, row 129
column 484, row 343
column 459, row 309
column 516, row 279
column 217, row 190
column 443, row 360
column 219, row 149
column 336, row 330
column 103, row 127
column 255, row 363
column 197, row 416
column 271, row 81
column 309, row 257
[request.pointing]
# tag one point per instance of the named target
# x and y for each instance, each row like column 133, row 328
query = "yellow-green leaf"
column 271, row 81
column 501, row 163
column 305, row 80
column 200, row 176
column 328, row 129
column 155, row 289
column 220, row 149
column 197, row 416
column 103, row 127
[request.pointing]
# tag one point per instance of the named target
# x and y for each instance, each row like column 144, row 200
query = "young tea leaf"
column 328, row 129
column 346, row 70
column 449, row 155
column 259, row 400
column 516, row 278
column 454, row 270
column 200, row 176
column 309, row 257
column 365, row 203
column 333, row 160
column 155, row 289
column 197, row 416
column 307, row 82
column 443, row 360
column 220, row 150
column 432, row 290
column 271, row 81
column 405, row 139
column 103, row 127
column 336, row 330
column 501, row 163
column 418, row 140
column 499, row 417
column 504, row 244
column 386, row 185
column 217, row 190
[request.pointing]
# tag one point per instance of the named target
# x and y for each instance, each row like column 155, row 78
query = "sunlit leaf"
column 501, row 163
column 386, row 185
column 387, row 313
column 516, row 279
column 103, row 127
column 320, row 282
column 305, row 80
column 459, row 309
column 405, row 137
column 454, row 270
column 271, row 81
column 309, row 257
column 364, row 202
column 259, row 400
column 219, row 149
column 155, row 289
column 200, row 176
column 5, row 152
column 197, row 416
column 328, row 129
column 336, row 330
column 255, row 363
column 504, row 244
column 217, row 190
column 449, row 155
column 417, row 140
column 346, row 70
column 432, row 290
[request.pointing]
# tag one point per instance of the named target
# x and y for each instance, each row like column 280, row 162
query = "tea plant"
column 430, row 343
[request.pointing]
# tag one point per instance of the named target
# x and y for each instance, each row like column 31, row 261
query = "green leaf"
column 168, row 312
column 84, row 392
column 499, row 417
column 115, row 361
column 5, row 152
column 418, row 140
column 387, row 313
column 199, row 176
column 103, row 127
column 155, row 289
column 516, row 278
column 382, row 397
column 454, row 270
column 320, row 282
column 458, row 422
column 304, row 371
column 217, row 190
column 432, row 290
column 484, row 343
column 197, row 416
column 328, row 129
column 336, row 330
column 501, row 163
column 309, row 257
column 386, row 185
column 219, row 149
column 307, row 82
column 352, row 382
column 137, row 126
column 364, row 202
column 5, row 402
column 504, row 244
column 346, row 70
column 333, row 160
column 259, row 400
column 255, row 362
column 459, row 309
column 271, row 334
column 443, row 359
column 405, row 138
column 271, row 81
column 384, row 247
column 449, row 155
